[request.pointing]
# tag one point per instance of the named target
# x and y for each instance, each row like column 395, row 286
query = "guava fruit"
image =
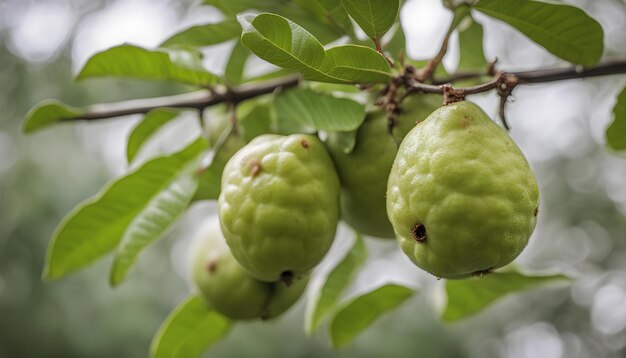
column 228, row 288
column 461, row 196
column 279, row 205
column 209, row 186
column 364, row 171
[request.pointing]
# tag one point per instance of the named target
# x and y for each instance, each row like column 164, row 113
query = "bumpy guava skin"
column 228, row 288
column 279, row 205
column 461, row 196
column 364, row 171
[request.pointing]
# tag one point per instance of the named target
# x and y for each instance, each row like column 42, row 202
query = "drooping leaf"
column 564, row 30
column 469, row 296
column 472, row 56
column 286, row 44
column 152, row 221
column 325, row 301
column 616, row 133
column 236, row 64
column 362, row 311
column 178, row 65
column 375, row 17
column 47, row 113
column 145, row 201
column 190, row 329
column 355, row 63
column 149, row 125
column 310, row 111
column 205, row 35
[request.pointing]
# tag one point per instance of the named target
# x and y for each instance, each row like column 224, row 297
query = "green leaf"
column 162, row 209
column 140, row 204
column 375, row 17
column 310, row 111
column 359, row 313
column 255, row 118
column 210, row 180
column 616, row 133
column 566, row 31
column 469, row 296
column 325, row 301
column 149, row 125
column 286, row 44
column 130, row 61
column 472, row 56
column 189, row 330
column 236, row 64
column 205, row 35
column 233, row 7
column 47, row 113
column 329, row 12
column 356, row 64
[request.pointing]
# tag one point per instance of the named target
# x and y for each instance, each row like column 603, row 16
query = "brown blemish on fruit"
column 211, row 266
column 256, row 168
column 536, row 211
column 304, row 143
column 482, row 273
column 419, row 233
column 287, row 277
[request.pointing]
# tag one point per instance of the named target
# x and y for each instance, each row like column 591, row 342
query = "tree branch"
column 611, row 67
column 203, row 99
column 193, row 100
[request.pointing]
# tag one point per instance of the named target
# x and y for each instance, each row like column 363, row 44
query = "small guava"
column 228, row 288
column 461, row 196
column 363, row 172
column 279, row 205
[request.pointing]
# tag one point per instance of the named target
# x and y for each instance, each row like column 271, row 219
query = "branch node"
column 452, row 95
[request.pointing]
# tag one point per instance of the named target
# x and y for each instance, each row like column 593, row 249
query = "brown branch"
column 193, row 100
column 202, row 99
column 512, row 79
column 379, row 49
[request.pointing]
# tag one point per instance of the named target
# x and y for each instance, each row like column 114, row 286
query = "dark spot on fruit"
column 482, row 273
column 419, row 233
column 536, row 211
column 287, row 277
column 304, row 143
column 211, row 266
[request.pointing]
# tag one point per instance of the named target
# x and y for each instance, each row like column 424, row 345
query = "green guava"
column 461, row 196
column 364, row 171
column 209, row 186
column 229, row 289
column 279, row 205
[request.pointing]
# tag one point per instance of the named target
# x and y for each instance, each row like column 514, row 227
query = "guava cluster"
column 449, row 184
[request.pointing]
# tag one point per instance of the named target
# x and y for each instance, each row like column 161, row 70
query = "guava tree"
column 346, row 126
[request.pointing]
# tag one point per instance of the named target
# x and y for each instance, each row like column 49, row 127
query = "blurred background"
column 559, row 126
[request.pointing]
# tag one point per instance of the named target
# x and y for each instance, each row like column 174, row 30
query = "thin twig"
column 194, row 100
column 379, row 49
